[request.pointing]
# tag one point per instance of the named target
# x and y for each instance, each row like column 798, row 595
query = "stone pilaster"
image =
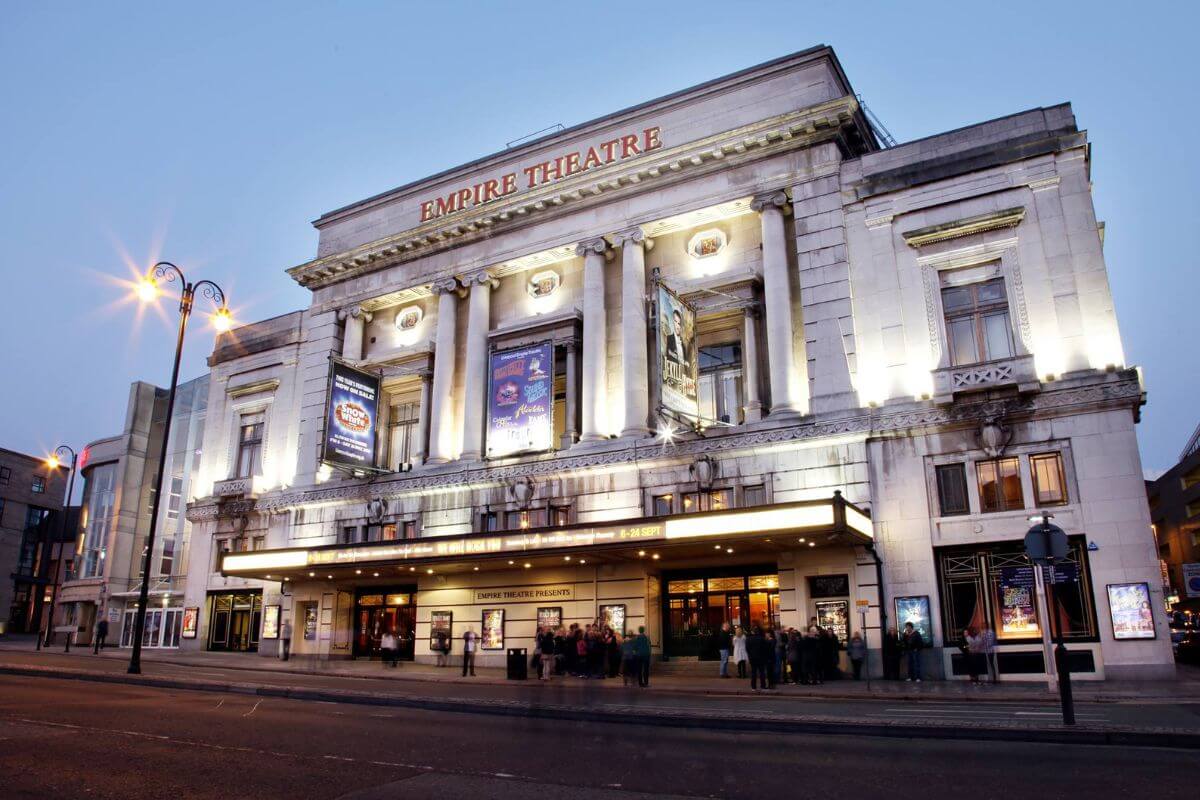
column 634, row 359
column 479, row 313
column 571, row 428
column 441, row 405
column 423, row 419
column 594, row 412
column 753, row 408
column 777, row 300
column 356, row 320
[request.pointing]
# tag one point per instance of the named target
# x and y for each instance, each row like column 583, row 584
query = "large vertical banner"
column 520, row 400
column 350, row 418
column 677, row 357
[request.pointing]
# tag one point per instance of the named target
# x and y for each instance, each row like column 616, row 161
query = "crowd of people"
column 805, row 657
column 593, row 651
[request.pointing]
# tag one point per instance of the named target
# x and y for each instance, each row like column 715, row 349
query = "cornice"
column 1121, row 391
column 997, row 220
column 785, row 132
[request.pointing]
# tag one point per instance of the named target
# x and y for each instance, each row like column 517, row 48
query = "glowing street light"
column 54, row 461
column 148, row 290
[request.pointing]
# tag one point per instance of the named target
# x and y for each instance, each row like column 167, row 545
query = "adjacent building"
column 118, row 492
column 718, row 357
column 31, row 501
column 1175, row 514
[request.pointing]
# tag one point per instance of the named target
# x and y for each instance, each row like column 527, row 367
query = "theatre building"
column 719, row 357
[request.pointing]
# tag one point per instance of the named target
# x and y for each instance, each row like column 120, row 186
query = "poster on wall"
column 550, row 617
column 350, row 418
column 520, row 400
column 828, row 585
column 1130, row 610
column 835, row 615
column 1191, row 579
column 270, row 629
column 1018, row 605
column 310, row 621
column 916, row 611
column 677, row 361
column 613, row 617
column 493, row 629
column 191, row 618
column 441, row 624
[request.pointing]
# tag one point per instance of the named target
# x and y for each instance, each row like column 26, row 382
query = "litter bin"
column 518, row 664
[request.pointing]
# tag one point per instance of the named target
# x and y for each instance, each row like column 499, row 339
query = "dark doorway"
column 377, row 611
column 697, row 603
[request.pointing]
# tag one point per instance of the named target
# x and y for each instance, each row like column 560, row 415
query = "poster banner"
column 550, row 617
column 493, row 629
column 350, row 418
column 310, row 621
column 191, row 618
column 270, row 626
column 1130, row 611
column 1191, row 579
column 1018, row 610
column 441, row 629
column 613, row 617
column 677, row 361
column 520, row 400
column 835, row 616
column 916, row 611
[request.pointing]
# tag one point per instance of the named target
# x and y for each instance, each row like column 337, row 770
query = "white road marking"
column 251, row 711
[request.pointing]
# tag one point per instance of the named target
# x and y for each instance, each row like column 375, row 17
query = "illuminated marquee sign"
column 543, row 172
column 530, row 594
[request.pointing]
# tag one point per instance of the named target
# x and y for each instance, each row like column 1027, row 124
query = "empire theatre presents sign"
column 351, row 418
column 545, row 172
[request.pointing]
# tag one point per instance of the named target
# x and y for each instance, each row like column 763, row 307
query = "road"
column 62, row 738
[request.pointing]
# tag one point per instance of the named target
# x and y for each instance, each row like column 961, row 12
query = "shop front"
column 380, row 610
column 696, row 603
column 160, row 631
column 234, row 620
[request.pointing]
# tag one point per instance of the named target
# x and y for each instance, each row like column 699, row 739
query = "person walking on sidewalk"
column 739, row 651
column 546, row 649
column 101, row 635
column 470, row 641
column 388, row 647
column 724, row 644
column 642, row 643
column 856, row 651
column 441, row 646
column 911, row 642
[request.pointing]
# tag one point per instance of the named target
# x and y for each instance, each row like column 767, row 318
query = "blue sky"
column 213, row 135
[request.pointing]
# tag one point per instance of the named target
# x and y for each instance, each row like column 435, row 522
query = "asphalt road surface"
column 63, row 738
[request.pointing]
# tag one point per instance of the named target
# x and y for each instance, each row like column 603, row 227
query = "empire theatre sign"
column 545, row 172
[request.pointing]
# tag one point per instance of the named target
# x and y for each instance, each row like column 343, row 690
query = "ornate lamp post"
column 54, row 461
column 148, row 290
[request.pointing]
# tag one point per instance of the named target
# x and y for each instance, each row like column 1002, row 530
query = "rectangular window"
column 1049, row 483
column 999, row 485
column 5, row 476
column 663, row 505
column 720, row 499
column 167, row 562
column 175, row 498
column 410, row 529
column 349, row 534
column 39, row 484
column 489, row 521
column 720, row 386
column 222, row 547
column 250, row 440
column 1, row 512
column 388, row 533
column 691, row 502
column 754, row 495
column 259, row 543
column 560, row 515
column 403, row 429
column 952, row 489
column 977, row 323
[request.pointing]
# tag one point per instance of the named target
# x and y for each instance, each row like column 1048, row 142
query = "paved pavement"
column 126, row 741
column 942, row 710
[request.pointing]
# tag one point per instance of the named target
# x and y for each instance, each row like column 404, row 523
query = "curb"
column 639, row 715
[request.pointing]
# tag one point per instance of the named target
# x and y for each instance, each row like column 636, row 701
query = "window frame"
column 255, row 445
column 977, row 313
column 1064, row 492
column 961, row 468
column 1004, row 505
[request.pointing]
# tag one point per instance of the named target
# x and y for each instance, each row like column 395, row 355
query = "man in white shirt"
column 470, row 641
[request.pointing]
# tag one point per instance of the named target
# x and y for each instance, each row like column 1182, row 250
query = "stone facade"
column 31, row 497
column 826, row 276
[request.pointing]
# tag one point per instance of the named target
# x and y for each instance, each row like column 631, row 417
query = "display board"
column 520, row 400
column 440, row 622
column 915, row 610
column 828, row 586
column 1131, row 611
column 1018, row 604
column 613, row 617
column 493, row 629
column 270, row 625
column 677, row 358
column 351, row 418
column 835, row 615
column 549, row 617
column 191, row 620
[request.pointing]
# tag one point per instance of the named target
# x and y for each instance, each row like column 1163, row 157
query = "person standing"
column 286, row 634
column 760, row 652
column 739, row 651
column 987, row 650
column 470, row 642
column 970, row 647
column 441, row 646
column 631, row 669
column 911, row 642
column 810, row 657
column 387, row 647
column 643, row 654
column 856, row 651
column 724, row 642
column 101, row 635
column 546, row 649
column 891, row 655
column 794, row 648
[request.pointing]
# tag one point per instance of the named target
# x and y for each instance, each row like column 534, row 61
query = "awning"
column 774, row 528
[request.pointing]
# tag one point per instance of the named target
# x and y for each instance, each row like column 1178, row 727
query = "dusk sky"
column 212, row 135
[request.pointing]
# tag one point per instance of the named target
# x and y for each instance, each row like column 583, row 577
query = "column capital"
column 480, row 278
column 776, row 198
column 445, row 286
column 354, row 312
column 597, row 246
column 632, row 236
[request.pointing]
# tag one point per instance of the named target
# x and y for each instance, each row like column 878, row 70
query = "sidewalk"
column 1149, row 717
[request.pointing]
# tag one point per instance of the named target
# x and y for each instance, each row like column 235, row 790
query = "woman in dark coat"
column 829, row 646
column 760, row 652
column 810, row 657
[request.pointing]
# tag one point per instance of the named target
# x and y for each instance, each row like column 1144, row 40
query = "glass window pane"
column 957, row 298
column 1010, row 476
column 691, row 502
column 996, row 335
column 754, row 495
column 707, row 397
column 952, row 489
column 992, row 291
column 963, row 347
column 1048, row 484
column 726, row 584
column 720, row 499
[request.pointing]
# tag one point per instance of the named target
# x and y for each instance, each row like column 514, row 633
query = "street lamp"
column 148, row 291
column 53, row 461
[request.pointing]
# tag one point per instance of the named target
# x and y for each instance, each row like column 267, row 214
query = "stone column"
column 441, row 404
column 753, row 408
column 352, row 340
column 479, row 320
column 634, row 360
column 570, row 429
column 595, row 389
column 423, row 420
column 777, row 301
